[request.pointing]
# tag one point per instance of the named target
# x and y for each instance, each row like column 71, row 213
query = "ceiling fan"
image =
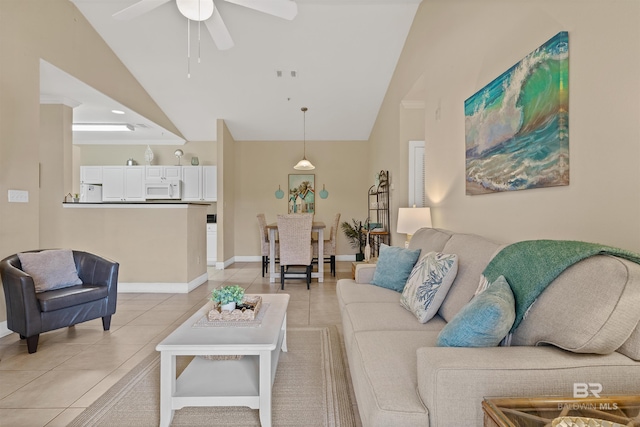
column 205, row 10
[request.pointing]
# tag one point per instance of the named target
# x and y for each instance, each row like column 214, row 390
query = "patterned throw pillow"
column 428, row 284
column 484, row 321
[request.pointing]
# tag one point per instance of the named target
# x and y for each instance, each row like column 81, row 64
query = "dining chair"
column 264, row 241
column 294, row 231
column 329, row 254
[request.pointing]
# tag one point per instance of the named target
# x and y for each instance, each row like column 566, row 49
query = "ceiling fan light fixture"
column 196, row 10
column 304, row 164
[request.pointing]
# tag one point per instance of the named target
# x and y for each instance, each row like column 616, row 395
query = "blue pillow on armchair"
column 394, row 267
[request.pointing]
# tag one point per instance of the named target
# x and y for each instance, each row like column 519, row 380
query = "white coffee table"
column 244, row 382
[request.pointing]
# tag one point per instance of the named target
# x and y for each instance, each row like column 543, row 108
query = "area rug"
column 311, row 388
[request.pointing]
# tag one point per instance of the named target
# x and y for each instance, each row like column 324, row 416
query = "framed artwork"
column 302, row 193
column 517, row 127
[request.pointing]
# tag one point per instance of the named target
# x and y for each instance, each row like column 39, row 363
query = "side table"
column 355, row 263
column 541, row 411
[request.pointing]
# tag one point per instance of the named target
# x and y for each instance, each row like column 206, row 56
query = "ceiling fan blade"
column 219, row 32
column 139, row 8
column 285, row 9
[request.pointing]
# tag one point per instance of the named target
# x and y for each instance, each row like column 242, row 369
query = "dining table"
column 317, row 227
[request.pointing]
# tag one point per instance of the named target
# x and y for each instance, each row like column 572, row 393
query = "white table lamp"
column 411, row 220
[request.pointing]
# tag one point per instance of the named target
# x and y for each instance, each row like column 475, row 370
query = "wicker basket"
column 247, row 310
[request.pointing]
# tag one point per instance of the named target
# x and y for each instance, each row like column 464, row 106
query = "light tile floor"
column 74, row 366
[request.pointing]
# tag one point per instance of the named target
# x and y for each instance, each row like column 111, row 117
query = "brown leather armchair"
column 30, row 313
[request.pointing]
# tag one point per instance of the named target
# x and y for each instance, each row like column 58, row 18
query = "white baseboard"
column 258, row 258
column 173, row 288
column 4, row 331
column 248, row 258
column 222, row 265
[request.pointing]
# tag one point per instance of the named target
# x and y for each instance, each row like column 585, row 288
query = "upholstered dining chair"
column 294, row 232
column 264, row 241
column 329, row 246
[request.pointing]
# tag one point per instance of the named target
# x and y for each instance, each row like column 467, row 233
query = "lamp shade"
column 411, row 220
column 304, row 164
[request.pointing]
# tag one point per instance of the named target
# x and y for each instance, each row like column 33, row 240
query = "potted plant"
column 228, row 296
column 355, row 236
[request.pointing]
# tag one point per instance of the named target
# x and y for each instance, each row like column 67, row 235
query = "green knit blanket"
column 530, row 266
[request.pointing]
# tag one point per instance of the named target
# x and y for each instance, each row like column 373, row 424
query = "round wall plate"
column 324, row 193
column 279, row 193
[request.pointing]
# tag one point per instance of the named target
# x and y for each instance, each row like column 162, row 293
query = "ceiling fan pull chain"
column 188, row 48
column 199, row 22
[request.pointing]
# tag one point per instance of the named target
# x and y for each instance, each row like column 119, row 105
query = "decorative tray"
column 248, row 309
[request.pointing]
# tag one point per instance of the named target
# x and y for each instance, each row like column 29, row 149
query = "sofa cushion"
column 351, row 292
column 430, row 240
column 383, row 366
column 70, row 296
column 485, row 321
column 428, row 284
column 474, row 253
column 50, row 269
column 590, row 308
column 381, row 316
column 394, row 266
column 631, row 347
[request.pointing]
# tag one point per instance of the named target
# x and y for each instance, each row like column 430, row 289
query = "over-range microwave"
column 163, row 190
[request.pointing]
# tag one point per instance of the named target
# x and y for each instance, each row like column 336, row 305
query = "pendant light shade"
column 304, row 164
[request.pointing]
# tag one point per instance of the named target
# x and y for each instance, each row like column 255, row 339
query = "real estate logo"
column 581, row 390
column 585, row 390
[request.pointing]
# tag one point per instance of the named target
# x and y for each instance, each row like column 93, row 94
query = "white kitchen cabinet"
column 123, row 183
column 162, row 173
column 199, row 183
column 192, row 183
column 90, row 174
column 210, row 183
column 212, row 242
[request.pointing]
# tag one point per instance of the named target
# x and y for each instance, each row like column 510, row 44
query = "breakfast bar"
column 161, row 246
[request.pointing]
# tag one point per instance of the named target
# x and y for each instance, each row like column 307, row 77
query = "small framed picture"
column 302, row 193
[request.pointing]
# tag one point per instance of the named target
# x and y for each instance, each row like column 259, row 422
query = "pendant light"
column 304, row 164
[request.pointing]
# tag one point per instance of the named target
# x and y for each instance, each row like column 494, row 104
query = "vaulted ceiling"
column 336, row 57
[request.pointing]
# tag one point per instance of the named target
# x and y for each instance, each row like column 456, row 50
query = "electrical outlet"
column 18, row 196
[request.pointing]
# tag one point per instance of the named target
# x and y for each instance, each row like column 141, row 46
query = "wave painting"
column 517, row 127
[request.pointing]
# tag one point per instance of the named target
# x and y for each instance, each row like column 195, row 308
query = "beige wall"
column 152, row 244
column 205, row 151
column 262, row 166
column 459, row 46
column 55, row 171
column 53, row 30
column 226, row 183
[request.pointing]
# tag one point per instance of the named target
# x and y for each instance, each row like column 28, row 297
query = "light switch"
column 18, row 196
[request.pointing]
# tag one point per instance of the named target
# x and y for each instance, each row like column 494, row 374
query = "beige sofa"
column 401, row 378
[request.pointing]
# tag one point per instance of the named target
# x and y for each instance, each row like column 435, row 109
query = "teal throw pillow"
column 484, row 321
column 394, row 266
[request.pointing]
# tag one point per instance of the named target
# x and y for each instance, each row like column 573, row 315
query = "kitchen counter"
column 160, row 245
column 150, row 203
